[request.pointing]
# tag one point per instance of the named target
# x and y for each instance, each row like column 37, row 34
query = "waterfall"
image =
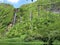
column 14, row 19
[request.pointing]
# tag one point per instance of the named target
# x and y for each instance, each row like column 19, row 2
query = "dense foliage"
column 6, row 15
column 34, row 22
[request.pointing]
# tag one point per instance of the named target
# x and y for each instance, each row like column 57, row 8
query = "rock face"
column 55, row 8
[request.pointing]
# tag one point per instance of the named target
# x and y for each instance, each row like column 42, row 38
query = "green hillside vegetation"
column 35, row 22
column 6, row 15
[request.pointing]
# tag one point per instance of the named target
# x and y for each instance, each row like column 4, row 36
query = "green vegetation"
column 6, row 15
column 35, row 22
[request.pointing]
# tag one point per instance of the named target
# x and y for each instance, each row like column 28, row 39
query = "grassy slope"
column 6, row 15
column 44, row 25
column 47, row 24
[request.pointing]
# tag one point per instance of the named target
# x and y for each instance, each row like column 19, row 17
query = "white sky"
column 1, row 1
column 17, row 3
column 13, row 1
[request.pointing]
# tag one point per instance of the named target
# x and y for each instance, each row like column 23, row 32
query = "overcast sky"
column 16, row 3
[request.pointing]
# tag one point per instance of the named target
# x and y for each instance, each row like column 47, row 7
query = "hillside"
column 6, row 15
column 38, row 21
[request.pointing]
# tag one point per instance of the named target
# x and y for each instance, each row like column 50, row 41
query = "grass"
column 16, row 41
